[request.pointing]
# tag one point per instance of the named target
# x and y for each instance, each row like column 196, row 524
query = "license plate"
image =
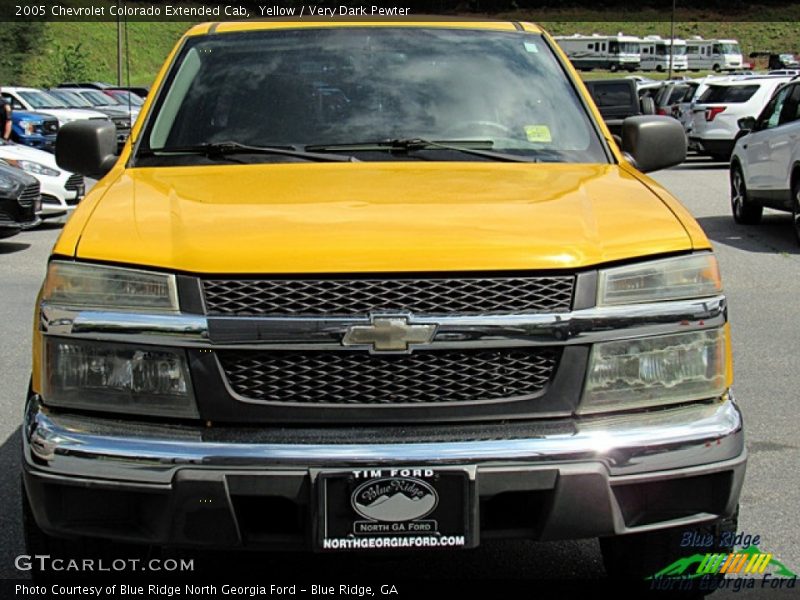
column 395, row 508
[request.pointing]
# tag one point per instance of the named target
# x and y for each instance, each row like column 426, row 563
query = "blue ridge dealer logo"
column 394, row 499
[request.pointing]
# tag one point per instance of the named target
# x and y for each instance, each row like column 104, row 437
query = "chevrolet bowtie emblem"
column 388, row 334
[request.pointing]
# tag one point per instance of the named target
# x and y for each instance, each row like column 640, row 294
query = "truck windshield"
column 39, row 99
column 353, row 87
column 98, row 98
column 730, row 49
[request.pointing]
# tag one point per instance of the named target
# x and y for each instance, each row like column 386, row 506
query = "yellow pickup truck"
column 358, row 286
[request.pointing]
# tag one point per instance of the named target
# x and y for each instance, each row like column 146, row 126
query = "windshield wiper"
column 415, row 144
column 221, row 149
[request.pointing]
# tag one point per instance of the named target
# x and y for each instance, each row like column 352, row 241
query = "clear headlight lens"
column 33, row 167
column 117, row 378
column 694, row 276
column 6, row 183
column 80, row 285
column 655, row 371
column 27, row 126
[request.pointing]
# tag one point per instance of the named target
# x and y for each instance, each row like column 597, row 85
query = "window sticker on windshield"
column 538, row 133
column 531, row 47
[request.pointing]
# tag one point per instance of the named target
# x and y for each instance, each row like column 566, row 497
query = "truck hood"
column 376, row 217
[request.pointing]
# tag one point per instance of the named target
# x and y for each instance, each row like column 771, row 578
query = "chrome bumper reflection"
column 583, row 326
column 675, row 438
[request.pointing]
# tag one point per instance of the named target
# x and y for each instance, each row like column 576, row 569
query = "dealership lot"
column 761, row 270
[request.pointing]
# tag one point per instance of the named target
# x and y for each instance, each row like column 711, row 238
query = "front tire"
column 796, row 210
column 745, row 211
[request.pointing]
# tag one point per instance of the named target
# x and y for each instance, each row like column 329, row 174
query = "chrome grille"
column 74, row 182
column 360, row 296
column 29, row 195
column 357, row 378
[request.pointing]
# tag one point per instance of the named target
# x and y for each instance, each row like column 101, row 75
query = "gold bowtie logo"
column 388, row 334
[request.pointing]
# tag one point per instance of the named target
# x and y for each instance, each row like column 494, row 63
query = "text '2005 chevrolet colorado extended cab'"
column 379, row 285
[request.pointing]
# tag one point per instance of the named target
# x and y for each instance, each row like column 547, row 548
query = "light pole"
column 119, row 46
column 671, row 39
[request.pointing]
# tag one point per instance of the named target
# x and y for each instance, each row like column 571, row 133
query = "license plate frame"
column 426, row 507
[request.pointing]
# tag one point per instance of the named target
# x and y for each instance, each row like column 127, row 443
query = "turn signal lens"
column 678, row 278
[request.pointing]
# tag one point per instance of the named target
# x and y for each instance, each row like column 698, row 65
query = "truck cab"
column 391, row 283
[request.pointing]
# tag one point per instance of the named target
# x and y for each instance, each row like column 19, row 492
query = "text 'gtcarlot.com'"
column 45, row 562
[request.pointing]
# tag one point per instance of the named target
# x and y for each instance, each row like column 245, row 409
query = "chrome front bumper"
column 594, row 471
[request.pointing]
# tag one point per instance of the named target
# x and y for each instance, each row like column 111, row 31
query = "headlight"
column 655, row 371
column 33, row 167
column 79, row 285
column 27, row 127
column 6, row 183
column 117, row 378
column 694, row 276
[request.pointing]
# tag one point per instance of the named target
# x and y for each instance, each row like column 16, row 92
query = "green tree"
column 68, row 63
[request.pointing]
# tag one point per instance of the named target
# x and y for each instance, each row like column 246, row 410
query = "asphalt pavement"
column 761, row 272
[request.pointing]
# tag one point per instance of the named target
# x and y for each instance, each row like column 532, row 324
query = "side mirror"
column 746, row 124
column 653, row 142
column 87, row 147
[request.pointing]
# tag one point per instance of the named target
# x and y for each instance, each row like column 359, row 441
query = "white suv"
column 765, row 167
column 717, row 111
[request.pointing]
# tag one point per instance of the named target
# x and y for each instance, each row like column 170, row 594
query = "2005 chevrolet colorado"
column 379, row 285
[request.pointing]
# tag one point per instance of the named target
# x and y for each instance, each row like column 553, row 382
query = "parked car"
column 119, row 115
column 61, row 190
column 137, row 90
column 104, row 102
column 765, row 167
column 392, row 280
column 783, row 61
column 23, row 98
column 34, row 129
column 716, row 113
column 618, row 99
column 92, row 85
column 674, row 94
column 140, row 91
column 19, row 201
column 126, row 96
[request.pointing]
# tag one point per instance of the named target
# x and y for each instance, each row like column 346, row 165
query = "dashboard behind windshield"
column 355, row 85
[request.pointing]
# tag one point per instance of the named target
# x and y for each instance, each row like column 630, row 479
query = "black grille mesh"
column 29, row 195
column 357, row 378
column 74, row 182
column 361, row 296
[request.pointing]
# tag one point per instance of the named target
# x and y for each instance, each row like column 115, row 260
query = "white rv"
column 612, row 52
column 716, row 55
column 656, row 51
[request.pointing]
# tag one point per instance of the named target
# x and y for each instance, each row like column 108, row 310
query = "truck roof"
column 460, row 23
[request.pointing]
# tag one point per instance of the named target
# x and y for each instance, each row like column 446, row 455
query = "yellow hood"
column 361, row 217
